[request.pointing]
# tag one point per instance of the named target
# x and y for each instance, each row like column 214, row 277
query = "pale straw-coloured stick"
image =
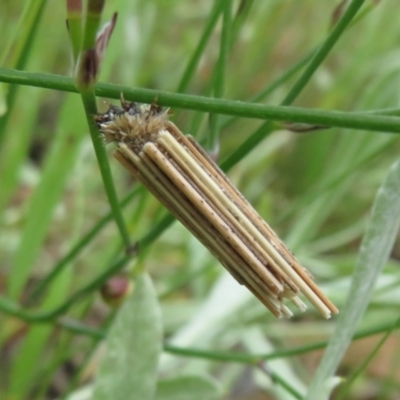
column 178, row 172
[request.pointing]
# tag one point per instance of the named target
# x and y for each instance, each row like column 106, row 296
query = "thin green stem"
column 273, row 85
column 150, row 237
column 77, row 249
column 15, row 310
column 323, row 51
column 352, row 120
column 232, row 33
column 184, row 279
column 92, row 23
column 85, row 76
column 255, row 138
column 290, row 389
column 74, row 22
column 254, row 358
column 395, row 111
column 23, row 52
column 292, row 71
column 208, row 29
column 11, row 308
column 194, row 60
column 219, row 81
column 242, row 13
column 89, row 103
column 241, row 358
column 315, row 62
column 324, row 186
column 355, row 374
column 80, row 328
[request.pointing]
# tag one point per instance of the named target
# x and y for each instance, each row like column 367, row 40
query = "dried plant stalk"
column 178, row 172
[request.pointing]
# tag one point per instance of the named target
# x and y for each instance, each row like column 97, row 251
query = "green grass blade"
column 23, row 41
column 27, row 364
column 355, row 374
column 15, row 146
column 89, row 103
column 374, row 253
column 58, row 166
column 321, row 54
column 219, row 81
column 315, row 62
column 75, row 28
column 195, row 58
column 79, row 247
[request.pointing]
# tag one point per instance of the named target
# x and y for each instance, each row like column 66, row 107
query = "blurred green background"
column 315, row 189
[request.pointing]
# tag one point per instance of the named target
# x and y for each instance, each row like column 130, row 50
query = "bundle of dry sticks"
column 178, row 172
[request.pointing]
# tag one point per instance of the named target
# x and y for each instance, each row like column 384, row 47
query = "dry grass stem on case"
column 178, row 172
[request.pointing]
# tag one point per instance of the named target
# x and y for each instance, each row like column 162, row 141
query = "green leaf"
column 28, row 365
column 188, row 388
column 134, row 343
column 57, row 168
column 374, row 253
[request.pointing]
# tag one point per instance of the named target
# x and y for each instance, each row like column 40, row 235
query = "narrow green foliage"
column 219, row 85
column 74, row 24
column 78, row 248
column 317, row 59
column 92, row 23
column 316, row 189
column 18, row 59
column 344, row 390
column 47, row 195
column 86, row 73
column 28, row 365
column 374, row 253
column 353, row 120
column 89, row 103
column 321, row 54
column 187, row 76
column 47, row 316
column 15, row 147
